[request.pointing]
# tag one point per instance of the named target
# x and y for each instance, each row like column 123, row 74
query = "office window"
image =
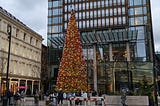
column 49, row 12
column 115, row 11
column 91, row 23
column 138, row 11
column 131, row 2
column 137, row 2
column 50, row 4
column 138, row 20
column 111, row 21
column 55, row 3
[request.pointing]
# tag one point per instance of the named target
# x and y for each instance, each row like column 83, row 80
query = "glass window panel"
column 131, row 21
column 115, row 11
column 124, row 20
column 119, row 11
column 80, row 15
column 107, row 21
column 99, row 4
column 111, row 21
column 49, row 20
column 131, row 11
column 107, row 12
column 118, row 51
column 49, row 12
column 119, row 20
column 130, row 2
column 141, row 53
column 110, row 2
column 91, row 14
column 145, row 19
column 65, row 25
column 138, row 20
column 138, row 11
column 95, row 4
column 87, row 14
column 144, row 2
column 123, row 2
column 123, row 10
column 144, row 10
column 87, row 5
column 103, row 22
column 95, row 23
column 106, row 3
column 87, row 23
column 80, row 24
column 99, row 22
column 50, row 4
column 91, row 23
column 84, row 24
column 84, row 15
column 55, row 3
column 119, row 2
column 103, row 13
column 95, row 13
column 55, row 20
column 91, row 6
column 83, row 7
column 137, row 2
column 115, row 20
column 99, row 13
column 111, row 12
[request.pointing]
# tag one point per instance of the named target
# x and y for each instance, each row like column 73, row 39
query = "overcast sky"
column 33, row 13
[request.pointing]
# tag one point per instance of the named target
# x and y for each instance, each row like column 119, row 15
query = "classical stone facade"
column 25, row 54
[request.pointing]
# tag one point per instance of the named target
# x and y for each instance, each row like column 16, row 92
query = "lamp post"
column 9, row 30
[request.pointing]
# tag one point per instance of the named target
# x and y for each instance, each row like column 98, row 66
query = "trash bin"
column 5, row 101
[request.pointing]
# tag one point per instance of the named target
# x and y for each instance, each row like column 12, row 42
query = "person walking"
column 11, row 95
column 36, row 98
column 60, row 97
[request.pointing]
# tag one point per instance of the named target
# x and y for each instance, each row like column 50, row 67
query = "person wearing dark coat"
column 60, row 97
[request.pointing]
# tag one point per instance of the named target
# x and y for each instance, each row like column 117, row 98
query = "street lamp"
column 9, row 30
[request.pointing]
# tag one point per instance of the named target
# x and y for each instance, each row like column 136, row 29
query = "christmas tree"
column 72, row 76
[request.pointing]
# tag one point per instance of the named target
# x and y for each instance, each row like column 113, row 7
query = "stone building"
column 44, row 69
column 25, row 55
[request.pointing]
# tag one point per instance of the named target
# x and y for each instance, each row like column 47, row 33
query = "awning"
column 100, row 37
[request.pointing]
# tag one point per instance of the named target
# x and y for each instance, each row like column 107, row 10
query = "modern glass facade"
column 116, row 36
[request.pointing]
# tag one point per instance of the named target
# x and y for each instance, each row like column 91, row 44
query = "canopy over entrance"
column 101, row 37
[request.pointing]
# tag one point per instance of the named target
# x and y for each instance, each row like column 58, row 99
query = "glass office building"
column 117, row 41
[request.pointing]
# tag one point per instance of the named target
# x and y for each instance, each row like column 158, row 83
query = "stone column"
column 128, row 51
column 18, row 82
column 26, row 86
column 95, row 67
column 9, row 83
column 39, row 85
column 32, row 86
column 110, row 52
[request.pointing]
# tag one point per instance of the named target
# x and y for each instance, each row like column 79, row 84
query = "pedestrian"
column 36, row 98
column 60, row 97
column 94, row 93
column 17, row 98
column 11, row 95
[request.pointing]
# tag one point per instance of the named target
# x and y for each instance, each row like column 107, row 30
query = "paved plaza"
column 30, row 102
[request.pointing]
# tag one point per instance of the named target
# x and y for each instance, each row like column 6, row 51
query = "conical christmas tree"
column 72, row 76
